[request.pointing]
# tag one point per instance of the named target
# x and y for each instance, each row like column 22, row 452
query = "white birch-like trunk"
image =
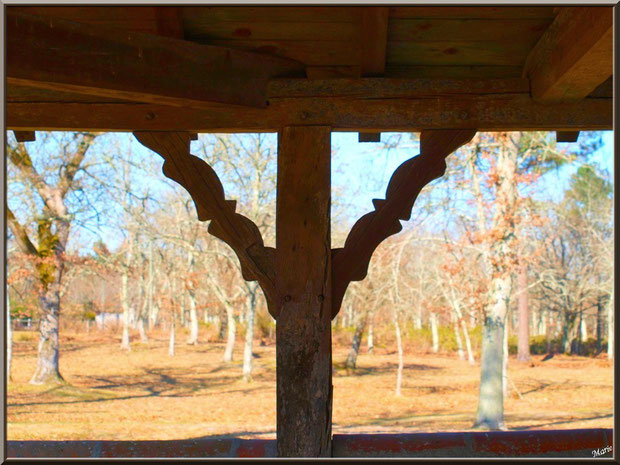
column 193, row 319
column 434, row 332
column 370, row 343
column 399, row 346
column 584, row 329
column 505, row 362
column 459, row 343
column 249, row 334
column 610, row 327
column 470, row 353
column 231, row 333
column 9, row 338
column 171, row 338
column 125, row 344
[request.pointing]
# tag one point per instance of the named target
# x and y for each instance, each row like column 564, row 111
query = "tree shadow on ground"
column 153, row 382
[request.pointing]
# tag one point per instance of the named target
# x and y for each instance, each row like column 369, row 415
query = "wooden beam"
column 573, row 56
column 509, row 112
column 373, row 39
column 169, row 22
column 62, row 55
column 369, row 137
column 25, row 136
column 350, row 263
column 566, row 136
column 303, row 286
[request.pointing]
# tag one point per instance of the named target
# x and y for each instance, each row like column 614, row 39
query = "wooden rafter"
column 373, row 44
column 207, row 192
column 574, row 55
column 350, row 263
column 63, row 55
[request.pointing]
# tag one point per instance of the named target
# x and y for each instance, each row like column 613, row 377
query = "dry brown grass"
column 145, row 394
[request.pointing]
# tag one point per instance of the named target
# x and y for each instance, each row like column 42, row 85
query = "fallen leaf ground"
column 147, row 395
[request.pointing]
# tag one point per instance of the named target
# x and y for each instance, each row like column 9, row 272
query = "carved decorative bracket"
column 207, row 192
column 350, row 263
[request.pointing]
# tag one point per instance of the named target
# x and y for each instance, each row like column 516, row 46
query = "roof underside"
column 525, row 58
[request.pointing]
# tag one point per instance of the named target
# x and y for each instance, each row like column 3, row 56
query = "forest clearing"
column 146, row 395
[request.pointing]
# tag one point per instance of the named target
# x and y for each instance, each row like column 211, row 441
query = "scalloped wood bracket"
column 350, row 263
column 207, row 192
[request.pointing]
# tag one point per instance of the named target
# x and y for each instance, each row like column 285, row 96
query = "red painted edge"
column 544, row 443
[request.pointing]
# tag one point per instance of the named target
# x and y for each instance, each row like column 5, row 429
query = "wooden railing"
column 516, row 444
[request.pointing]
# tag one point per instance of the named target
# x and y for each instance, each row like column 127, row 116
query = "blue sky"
column 361, row 172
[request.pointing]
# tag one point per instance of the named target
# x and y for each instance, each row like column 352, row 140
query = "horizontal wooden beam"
column 369, row 137
column 25, row 136
column 503, row 112
column 566, row 136
column 61, row 55
column 573, row 56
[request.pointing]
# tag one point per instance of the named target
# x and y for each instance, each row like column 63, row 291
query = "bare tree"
column 48, row 182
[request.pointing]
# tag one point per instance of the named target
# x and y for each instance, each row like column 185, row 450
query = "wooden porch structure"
column 166, row 73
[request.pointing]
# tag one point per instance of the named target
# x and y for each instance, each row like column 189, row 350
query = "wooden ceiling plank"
column 457, row 53
column 472, row 12
column 272, row 30
column 373, row 49
column 68, row 56
column 373, row 39
column 311, row 53
column 453, row 72
column 487, row 113
column 169, row 22
column 439, row 29
column 574, row 56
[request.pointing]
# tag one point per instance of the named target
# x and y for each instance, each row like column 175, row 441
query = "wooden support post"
column 303, row 290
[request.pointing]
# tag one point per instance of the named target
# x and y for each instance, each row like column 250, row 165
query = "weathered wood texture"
column 573, row 56
column 350, row 263
column 205, row 188
column 373, row 39
column 495, row 112
column 63, row 55
column 303, row 286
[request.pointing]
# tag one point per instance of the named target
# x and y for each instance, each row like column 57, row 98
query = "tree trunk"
column 370, row 343
column 524, row 317
column 9, row 338
column 47, row 369
column 599, row 325
column 249, row 333
column 459, row 343
column 470, row 353
column 505, row 363
column 399, row 347
column 584, row 329
column 351, row 360
column 144, row 339
column 171, row 339
column 490, row 414
column 231, row 333
column 434, row 332
column 303, row 286
column 125, row 345
column 193, row 319
column 610, row 327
